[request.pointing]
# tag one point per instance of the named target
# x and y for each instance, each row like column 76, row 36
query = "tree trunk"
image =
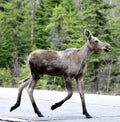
column 32, row 20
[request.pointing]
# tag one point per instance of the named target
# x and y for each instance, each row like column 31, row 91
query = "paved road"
column 103, row 108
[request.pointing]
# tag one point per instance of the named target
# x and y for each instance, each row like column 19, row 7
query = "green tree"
column 58, row 35
column 114, row 17
column 43, row 13
column 65, row 26
column 15, row 41
column 94, row 16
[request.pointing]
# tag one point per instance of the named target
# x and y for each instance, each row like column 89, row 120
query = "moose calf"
column 69, row 64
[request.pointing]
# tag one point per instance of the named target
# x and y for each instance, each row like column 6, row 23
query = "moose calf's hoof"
column 14, row 107
column 53, row 107
column 40, row 115
column 88, row 116
column 11, row 109
column 56, row 105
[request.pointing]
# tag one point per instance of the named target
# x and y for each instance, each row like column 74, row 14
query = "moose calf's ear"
column 87, row 33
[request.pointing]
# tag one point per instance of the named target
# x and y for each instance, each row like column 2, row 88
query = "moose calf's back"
column 47, row 62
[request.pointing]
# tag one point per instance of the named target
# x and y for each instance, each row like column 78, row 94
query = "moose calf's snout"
column 107, row 48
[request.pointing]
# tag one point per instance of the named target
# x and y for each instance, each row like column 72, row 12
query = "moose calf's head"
column 95, row 44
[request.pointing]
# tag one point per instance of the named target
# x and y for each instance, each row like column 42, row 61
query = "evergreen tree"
column 59, row 24
column 58, row 35
column 15, row 42
column 114, row 17
column 65, row 26
column 42, row 18
column 94, row 17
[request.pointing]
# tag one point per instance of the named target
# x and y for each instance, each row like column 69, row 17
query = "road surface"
column 103, row 108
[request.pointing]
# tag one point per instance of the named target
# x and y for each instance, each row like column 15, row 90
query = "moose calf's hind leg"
column 23, row 84
column 70, row 92
column 30, row 90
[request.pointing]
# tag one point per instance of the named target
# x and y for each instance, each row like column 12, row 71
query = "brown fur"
column 70, row 63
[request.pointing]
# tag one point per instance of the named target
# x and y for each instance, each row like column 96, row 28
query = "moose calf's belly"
column 54, row 71
column 53, row 68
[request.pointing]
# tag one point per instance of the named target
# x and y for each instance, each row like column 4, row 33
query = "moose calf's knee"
column 29, row 91
column 70, row 95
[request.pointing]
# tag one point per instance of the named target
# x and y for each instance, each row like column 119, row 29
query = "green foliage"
column 51, row 83
column 57, row 28
column 65, row 26
column 59, row 24
column 15, row 41
column 42, row 15
column 5, row 78
column 95, row 17
column 24, row 71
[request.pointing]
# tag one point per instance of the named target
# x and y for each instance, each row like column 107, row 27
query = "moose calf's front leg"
column 79, row 80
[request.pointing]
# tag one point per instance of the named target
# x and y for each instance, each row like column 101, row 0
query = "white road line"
column 9, row 119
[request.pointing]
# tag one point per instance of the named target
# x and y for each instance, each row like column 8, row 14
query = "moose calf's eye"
column 96, row 41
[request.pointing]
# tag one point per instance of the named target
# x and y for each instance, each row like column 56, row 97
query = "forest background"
column 26, row 25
